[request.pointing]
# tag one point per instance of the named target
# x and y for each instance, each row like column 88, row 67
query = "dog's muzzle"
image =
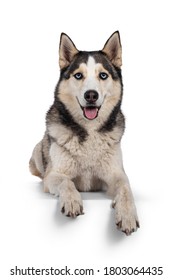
column 91, row 109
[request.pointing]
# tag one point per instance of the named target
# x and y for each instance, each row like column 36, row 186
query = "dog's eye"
column 78, row 76
column 103, row 75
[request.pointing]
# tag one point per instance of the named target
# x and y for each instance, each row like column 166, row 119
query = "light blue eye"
column 103, row 75
column 78, row 76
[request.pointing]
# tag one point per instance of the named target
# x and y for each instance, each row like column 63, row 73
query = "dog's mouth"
column 90, row 112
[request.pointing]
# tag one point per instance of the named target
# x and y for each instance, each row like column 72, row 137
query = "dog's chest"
column 94, row 153
column 87, row 160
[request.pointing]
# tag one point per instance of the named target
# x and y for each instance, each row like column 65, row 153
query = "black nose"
column 91, row 96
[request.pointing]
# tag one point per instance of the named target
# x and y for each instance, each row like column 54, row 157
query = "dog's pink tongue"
column 90, row 113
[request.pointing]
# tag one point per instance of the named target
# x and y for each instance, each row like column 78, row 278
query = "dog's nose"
column 91, row 96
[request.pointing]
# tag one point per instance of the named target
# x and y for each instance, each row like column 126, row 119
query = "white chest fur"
column 93, row 158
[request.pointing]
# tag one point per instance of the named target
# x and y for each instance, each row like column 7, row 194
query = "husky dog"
column 80, row 150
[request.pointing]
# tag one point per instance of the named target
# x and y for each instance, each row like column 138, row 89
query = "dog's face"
column 90, row 82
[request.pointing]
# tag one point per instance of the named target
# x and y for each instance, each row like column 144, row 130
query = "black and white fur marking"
column 80, row 150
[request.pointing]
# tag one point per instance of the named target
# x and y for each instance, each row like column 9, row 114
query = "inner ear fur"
column 67, row 50
column 113, row 49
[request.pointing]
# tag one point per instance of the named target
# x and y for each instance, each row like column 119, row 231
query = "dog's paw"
column 126, row 217
column 71, row 206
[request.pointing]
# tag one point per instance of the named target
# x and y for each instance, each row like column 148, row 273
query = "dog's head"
column 90, row 85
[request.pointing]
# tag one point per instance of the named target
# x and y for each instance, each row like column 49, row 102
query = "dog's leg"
column 70, row 199
column 125, row 211
column 126, row 217
column 36, row 163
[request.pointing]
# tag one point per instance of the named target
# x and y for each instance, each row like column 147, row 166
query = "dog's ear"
column 113, row 50
column 67, row 50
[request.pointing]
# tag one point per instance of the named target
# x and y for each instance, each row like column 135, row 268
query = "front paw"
column 125, row 216
column 71, row 206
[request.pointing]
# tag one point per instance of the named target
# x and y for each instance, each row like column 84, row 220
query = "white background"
column 33, row 232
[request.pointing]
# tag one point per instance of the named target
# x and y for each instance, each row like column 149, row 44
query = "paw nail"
column 137, row 224
column 69, row 214
column 127, row 232
column 77, row 214
column 62, row 210
column 119, row 224
column 113, row 205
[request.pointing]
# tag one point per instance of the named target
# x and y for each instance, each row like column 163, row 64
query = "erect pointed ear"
column 113, row 49
column 67, row 50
